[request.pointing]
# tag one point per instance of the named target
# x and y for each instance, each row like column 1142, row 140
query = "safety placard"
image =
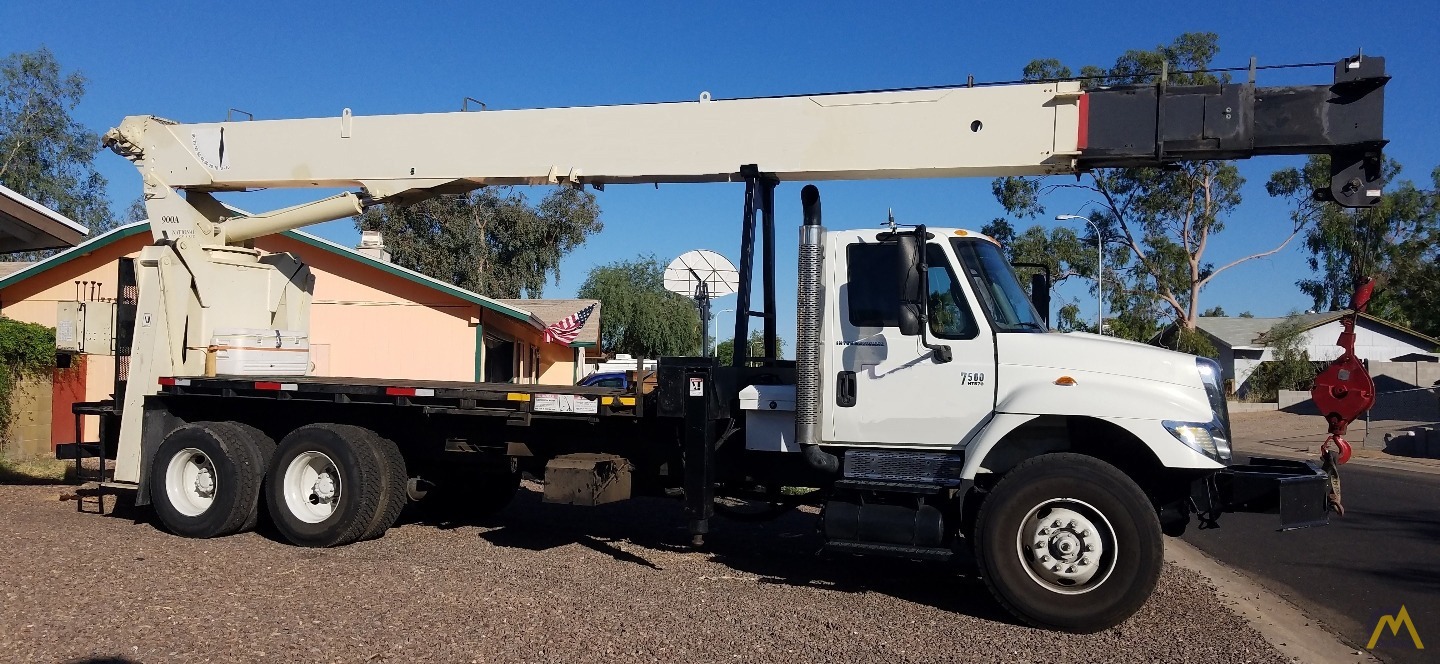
column 565, row 403
column 697, row 387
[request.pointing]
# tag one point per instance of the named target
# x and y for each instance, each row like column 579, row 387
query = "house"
column 369, row 318
column 1242, row 342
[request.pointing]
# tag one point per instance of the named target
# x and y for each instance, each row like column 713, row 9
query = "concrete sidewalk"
column 1285, row 435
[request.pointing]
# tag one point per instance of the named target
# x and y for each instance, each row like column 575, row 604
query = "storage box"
column 769, row 418
column 260, row 352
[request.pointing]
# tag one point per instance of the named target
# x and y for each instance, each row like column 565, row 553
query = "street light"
column 715, row 329
column 1099, row 271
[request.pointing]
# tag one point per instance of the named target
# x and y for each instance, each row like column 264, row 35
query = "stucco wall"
column 29, row 431
column 385, row 327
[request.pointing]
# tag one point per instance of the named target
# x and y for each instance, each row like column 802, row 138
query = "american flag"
column 567, row 329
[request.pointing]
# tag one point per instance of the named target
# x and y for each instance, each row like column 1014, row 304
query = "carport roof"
column 26, row 225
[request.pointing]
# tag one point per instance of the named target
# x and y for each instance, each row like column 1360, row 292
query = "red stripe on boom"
column 1083, row 139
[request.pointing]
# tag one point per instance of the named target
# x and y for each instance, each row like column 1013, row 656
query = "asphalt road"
column 1384, row 553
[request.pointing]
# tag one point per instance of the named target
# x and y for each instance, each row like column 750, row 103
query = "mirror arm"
column 941, row 352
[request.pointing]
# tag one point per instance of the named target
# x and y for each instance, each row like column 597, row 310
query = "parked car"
column 608, row 379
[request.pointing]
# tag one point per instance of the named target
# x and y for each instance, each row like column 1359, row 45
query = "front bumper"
column 1296, row 490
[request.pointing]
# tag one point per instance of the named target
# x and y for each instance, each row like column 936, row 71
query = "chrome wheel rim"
column 1066, row 546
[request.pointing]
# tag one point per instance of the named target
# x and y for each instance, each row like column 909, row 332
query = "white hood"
column 1092, row 353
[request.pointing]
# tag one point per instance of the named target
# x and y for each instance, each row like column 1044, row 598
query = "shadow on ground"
column 783, row 551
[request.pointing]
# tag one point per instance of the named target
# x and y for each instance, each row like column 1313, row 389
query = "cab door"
column 886, row 389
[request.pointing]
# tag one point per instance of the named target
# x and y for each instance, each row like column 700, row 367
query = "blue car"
column 609, row 379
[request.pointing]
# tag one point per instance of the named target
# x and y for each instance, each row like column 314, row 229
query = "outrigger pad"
column 587, row 479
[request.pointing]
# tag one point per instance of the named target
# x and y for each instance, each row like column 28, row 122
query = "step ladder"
column 80, row 450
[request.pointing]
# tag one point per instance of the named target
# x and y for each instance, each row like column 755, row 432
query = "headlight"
column 1219, row 426
column 1208, row 438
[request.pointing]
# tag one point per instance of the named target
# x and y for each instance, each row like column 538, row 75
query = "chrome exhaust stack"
column 809, row 308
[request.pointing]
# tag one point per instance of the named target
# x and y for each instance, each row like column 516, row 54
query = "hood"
column 1092, row 353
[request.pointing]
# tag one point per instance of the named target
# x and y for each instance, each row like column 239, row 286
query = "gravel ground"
column 537, row 583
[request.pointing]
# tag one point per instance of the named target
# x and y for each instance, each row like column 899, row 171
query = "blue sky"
column 192, row 61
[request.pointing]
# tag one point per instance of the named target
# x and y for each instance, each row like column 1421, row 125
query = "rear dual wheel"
column 205, row 478
column 333, row 484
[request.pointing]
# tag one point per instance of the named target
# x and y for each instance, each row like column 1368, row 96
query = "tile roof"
column 551, row 311
column 1239, row 332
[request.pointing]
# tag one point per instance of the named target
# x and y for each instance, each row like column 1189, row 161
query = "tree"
column 1218, row 312
column 490, row 241
column 44, row 153
column 1397, row 241
column 1163, row 220
column 725, row 350
column 641, row 317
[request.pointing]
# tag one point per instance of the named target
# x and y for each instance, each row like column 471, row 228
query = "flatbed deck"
column 439, row 396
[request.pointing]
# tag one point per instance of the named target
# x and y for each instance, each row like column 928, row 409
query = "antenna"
column 701, row 275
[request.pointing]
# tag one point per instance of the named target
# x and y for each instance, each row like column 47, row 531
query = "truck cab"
column 986, row 370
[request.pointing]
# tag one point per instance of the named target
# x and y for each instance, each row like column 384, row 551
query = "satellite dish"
column 685, row 273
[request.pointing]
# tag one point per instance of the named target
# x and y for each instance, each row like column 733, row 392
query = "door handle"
column 845, row 389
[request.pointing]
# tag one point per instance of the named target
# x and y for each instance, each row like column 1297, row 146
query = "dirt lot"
column 538, row 583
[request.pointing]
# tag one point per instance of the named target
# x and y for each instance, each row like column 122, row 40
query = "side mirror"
column 1040, row 295
column 1039, row 289
column 912, row 287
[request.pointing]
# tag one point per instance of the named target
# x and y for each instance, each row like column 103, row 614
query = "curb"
column 1297, row 636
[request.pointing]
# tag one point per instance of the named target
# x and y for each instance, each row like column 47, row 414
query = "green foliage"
column 1397, row 241
column 1217, row 312
column 1159, row 221
column 490, row 241
column 44, row 153
column 26, row 350
column 641, row 317
column 755, row 348
column 1291, row 368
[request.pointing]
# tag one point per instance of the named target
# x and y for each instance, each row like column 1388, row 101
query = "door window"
column 950, row 316
column 873, row 291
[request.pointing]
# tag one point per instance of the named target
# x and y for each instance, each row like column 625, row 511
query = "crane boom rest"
column 896, row 483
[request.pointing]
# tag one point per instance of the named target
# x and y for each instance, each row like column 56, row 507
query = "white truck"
column 928, row 400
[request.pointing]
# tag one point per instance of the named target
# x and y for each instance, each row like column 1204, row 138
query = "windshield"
column 995, row 285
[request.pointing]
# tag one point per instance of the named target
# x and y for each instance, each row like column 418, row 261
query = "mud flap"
column 1295, row 490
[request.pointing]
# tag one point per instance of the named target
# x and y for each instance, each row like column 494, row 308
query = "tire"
column 325, row 485
column 393, row 496
column 263, row 447
column 205, row 480
column 1099, row 508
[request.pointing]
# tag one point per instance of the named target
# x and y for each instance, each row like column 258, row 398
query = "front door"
column 886, row 389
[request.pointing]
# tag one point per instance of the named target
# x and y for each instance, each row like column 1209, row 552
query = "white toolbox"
column 769, row 418
column 244, row 351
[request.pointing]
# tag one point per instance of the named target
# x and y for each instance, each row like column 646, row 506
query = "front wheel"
column 1068, row 542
